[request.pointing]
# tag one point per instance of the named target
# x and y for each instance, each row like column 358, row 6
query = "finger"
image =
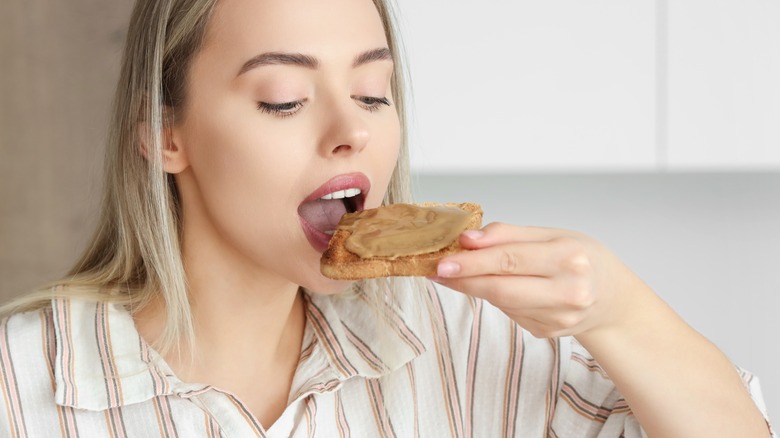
column 497, row 233
column 523, row 258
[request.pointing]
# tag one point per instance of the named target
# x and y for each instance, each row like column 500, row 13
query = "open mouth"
column 321, row 212
column 352, row 198
column 354, row 203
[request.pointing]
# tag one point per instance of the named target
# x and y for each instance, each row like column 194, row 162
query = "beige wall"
column 58, row 66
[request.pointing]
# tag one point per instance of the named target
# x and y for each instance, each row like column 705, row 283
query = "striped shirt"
column 80, row 369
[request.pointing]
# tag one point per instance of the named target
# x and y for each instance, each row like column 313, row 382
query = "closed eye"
column 287, row 109
column 284, row 109
column 371, row 103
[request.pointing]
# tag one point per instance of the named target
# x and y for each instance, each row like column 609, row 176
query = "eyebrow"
column 381, row 54
column 310, row 62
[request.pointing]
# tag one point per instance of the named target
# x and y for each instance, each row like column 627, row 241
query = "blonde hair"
column 135, row 251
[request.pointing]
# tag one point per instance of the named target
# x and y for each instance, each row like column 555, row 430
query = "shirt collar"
column 362, row 339
column 102, row 362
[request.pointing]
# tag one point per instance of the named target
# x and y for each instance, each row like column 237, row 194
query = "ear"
column 174, row 156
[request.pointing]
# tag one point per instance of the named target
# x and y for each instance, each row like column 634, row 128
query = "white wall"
column 709, row 244
column 588, row 86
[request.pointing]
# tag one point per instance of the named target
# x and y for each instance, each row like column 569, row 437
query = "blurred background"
column 652, row 125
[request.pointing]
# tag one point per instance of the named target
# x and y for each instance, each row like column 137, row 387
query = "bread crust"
column 340, row 264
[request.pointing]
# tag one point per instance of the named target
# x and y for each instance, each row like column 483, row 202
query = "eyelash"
column 281, row 109
column 371, row 104
column 287, row 109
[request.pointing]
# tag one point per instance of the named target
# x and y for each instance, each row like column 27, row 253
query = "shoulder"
column 30, row 340
column 25, row 328
column 28, row 331
column 27, row 342
column 27, row 355
column 39, row 314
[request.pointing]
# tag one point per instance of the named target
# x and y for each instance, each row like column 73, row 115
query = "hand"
column 551, row 282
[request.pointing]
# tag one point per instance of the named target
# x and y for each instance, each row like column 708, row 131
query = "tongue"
column 322, row 214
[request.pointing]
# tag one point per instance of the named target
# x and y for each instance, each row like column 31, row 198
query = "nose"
column 346, row 132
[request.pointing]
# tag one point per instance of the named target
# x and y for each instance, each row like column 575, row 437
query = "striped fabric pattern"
column 80, row 369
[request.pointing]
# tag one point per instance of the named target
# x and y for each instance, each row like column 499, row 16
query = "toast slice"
column 339, row 263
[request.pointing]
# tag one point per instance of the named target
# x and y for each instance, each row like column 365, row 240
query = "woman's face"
column 288, row 101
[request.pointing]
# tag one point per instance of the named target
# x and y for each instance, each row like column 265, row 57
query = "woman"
column 199, row 309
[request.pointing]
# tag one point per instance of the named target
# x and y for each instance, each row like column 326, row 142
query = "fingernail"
column 447, row 269
column 474, row 234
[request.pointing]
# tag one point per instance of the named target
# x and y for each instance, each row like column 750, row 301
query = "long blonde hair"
column 135, row 253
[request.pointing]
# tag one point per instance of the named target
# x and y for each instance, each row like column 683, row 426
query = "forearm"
column 677, row 383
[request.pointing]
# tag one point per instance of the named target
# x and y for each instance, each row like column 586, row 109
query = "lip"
column 316, row 238
column 342, row 182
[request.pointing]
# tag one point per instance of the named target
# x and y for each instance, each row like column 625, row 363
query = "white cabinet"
column 589, row 86
column 724, row 85
column 531, row 85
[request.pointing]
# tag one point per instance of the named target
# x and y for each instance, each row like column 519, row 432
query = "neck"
column 257, row 336
column 246, row 322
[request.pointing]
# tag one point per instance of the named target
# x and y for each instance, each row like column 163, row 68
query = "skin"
column 242, row 174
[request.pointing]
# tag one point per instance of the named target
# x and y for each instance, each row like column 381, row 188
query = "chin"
column 308, row 275
column 327, row 286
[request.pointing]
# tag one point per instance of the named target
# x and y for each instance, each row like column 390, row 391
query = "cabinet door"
column 724, row 84
column 523, row 85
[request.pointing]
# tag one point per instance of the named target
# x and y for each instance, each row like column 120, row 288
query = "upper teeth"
column 348, row 193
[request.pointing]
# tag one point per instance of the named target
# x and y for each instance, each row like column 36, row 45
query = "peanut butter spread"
column 403, row 229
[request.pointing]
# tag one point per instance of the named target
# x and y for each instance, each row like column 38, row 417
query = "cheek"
column 388, row 146
column 240, row 171
column 227, row 165
column 231, row 154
